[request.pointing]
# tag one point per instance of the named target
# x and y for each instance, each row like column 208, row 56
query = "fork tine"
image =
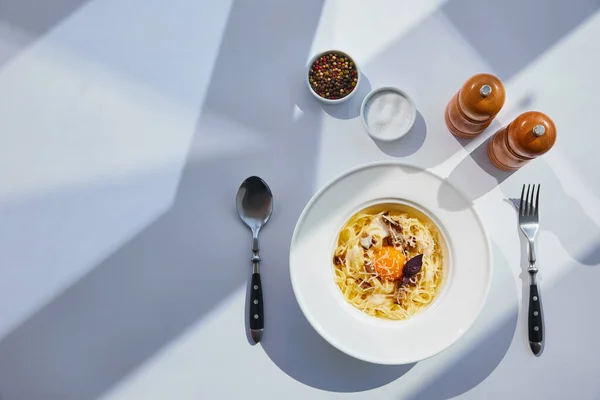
column 521, row 209
column 531, row 201
column 537, row 200
column 527, row 201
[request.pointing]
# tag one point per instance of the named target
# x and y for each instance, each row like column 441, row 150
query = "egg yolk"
column 388, row 263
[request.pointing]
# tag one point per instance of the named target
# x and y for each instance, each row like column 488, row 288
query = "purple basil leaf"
column 413, row 266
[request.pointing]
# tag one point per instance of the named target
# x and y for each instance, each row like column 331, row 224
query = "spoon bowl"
column 254, row 203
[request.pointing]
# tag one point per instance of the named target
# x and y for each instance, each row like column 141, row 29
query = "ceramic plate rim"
column 301, row 301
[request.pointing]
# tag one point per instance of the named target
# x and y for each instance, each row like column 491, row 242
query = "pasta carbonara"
column 388, row 263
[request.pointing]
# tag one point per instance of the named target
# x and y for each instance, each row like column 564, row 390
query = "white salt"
column 388, row 114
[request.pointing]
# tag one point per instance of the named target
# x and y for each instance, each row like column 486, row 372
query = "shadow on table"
column 22, row 22
column 296, row 348
column 506, row 34
column 591, row 256
column 300, row 352
column 171, row 274
column 475, row 356
column 410, row 143
column 475, row 176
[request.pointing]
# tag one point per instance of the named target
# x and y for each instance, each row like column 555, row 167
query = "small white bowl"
column 412, row 114
column 332, row 101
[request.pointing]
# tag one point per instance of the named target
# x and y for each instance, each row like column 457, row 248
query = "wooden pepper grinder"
column 475, row 106
column 530, row 135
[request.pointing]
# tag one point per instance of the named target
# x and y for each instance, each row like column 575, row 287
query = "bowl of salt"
column 388, row 113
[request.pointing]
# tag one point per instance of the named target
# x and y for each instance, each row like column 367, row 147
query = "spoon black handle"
column 257, row 322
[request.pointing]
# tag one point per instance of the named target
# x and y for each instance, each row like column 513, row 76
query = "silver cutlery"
column 254, row 202
column 529, row 224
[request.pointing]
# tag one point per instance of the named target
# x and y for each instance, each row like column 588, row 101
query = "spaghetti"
column 388, row 264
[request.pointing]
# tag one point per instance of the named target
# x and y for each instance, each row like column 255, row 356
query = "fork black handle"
column 535, row 321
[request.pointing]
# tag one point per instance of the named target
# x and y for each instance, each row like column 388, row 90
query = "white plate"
column 468, row 265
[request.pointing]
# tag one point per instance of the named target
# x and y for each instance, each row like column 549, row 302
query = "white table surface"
column 127, row 126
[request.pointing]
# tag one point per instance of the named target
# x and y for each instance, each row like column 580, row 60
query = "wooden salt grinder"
column 474, row 107
column 530, row 135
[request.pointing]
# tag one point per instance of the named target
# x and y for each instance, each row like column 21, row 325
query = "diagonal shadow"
column 175, row 271
column 22, row 22
column 475, row 176
column 511, row 34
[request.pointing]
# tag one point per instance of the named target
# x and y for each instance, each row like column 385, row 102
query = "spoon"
column 254, row 203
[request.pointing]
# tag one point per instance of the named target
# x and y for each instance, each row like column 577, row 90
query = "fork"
column 529, row 224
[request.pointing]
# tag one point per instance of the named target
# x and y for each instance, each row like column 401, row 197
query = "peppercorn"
column 333, row 76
